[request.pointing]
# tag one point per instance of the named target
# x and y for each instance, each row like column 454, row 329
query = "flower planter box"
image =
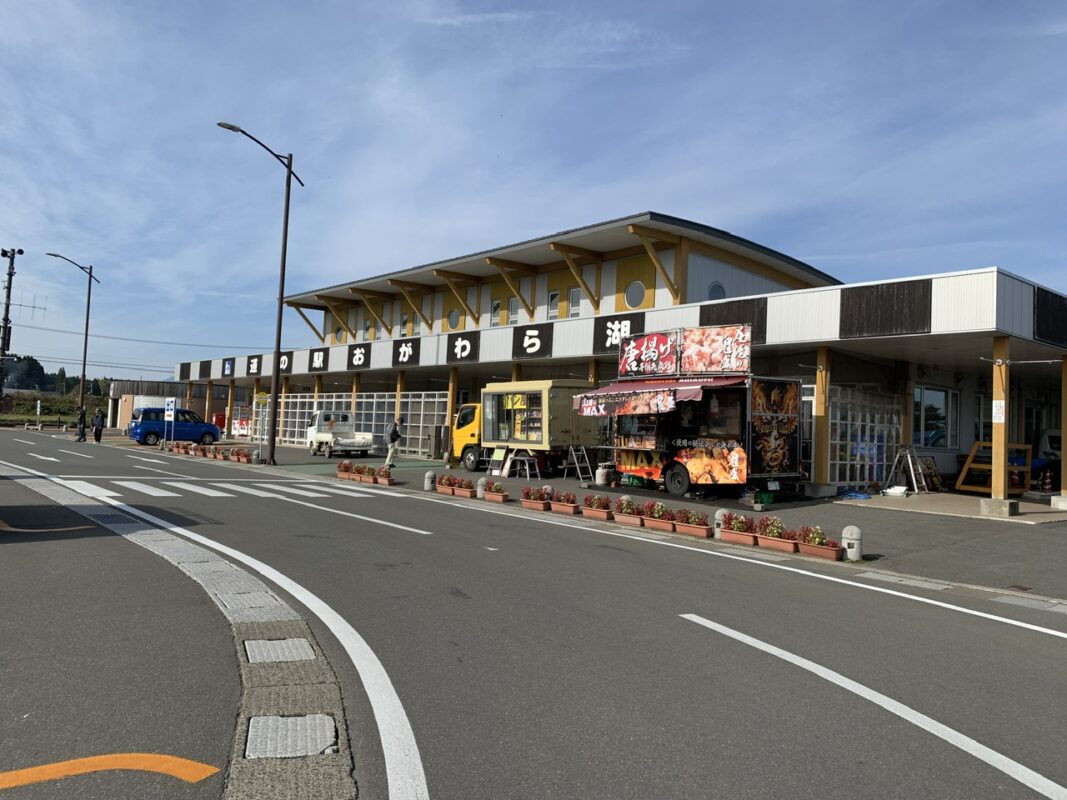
column 345, row 476
column 700, row 531
column 458, row 491
column 820, row 551
column 384, row 481
column 633, row 520
column 666, row 525
column 496, row 497
column 565, row 508
column 535, row 505
column 444, row 490
column 737, row 537
column 775, row 543
column 366, row 479
column 243, row 459
column 604, row 514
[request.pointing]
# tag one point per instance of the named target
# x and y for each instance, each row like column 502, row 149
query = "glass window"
column 366, row 328
column 466, row 416
column 716, row 291
column 403, row 324
column 574, row 302
column 513, row 311
column 635, row 294
column 935, row 417
column 453, row 318
column 494, row 313
column 553, row 304
column 416, row 325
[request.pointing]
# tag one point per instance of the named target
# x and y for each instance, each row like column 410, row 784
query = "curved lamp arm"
column 237, row 129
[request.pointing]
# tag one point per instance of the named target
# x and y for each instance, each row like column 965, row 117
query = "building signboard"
column 254, row 366
column 650, row 354
column 285, row 362
column 358, row 357
column 406, row 352
column 711, row 350
column 318, row 359
column 228, row 367
column 532, row 341
column 463, row 347
column 608, row 332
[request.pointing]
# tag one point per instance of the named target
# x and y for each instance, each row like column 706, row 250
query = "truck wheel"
column 327, row 450
column 313, row 449
column 470, row 459
column 361, row 454
column 676, row 479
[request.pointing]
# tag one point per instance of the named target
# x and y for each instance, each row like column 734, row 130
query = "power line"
column 77, row 362
column 148, row 341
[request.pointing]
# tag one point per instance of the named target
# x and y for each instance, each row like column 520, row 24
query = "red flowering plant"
column 344, row 466
column 495, row 488
column 770, row 526
column 446, row 480
column 812, row 534
column 384, row 472
column 687, row 517
column 535, row 493
column 564, row 497
column 463, row 483
column 742, row 524
column 624, row 505
column 597, row 501
column 656, row 510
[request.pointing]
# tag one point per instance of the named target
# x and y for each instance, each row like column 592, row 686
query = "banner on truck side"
column 687, row 351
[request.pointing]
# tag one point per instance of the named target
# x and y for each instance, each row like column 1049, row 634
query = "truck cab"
column 467, row 436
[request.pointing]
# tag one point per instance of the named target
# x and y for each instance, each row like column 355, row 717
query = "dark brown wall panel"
column 1050, row 318
column 890, row 309
column 739, row 312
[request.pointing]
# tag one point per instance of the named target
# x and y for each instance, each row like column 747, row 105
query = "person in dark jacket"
column 393, row 435
column 98, row 425
column 81, row 425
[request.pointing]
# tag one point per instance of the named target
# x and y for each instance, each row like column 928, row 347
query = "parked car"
column 148, row 427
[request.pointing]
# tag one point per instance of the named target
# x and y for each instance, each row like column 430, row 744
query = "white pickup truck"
column 330, row 432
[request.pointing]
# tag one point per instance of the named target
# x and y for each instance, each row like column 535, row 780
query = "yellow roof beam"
column 568, row 252
column 456, row 285
column 515, row 266
column 652, row 233
column 314, row 328
column 406, row 287
column 647, row 235
column 458, row 277
column 503, row 267
column 341, row 319
column 367, row 304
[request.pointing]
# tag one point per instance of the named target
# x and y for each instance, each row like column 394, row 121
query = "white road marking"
column 291, row 490
column 150, row 460
column 144, row 488
column 87, row 489
column 249, row 490
column 346, row 492
column 192, row 487
column 79, row 455
column 492, row 548
column 161, row 471
column 43, row 458
column 24, row 441
column 1013, row 769
column 358, row 488
column 403, row 766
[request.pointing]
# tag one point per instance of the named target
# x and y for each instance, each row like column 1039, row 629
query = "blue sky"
column 873, row 140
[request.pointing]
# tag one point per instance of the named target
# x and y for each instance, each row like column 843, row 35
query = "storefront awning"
column 647, row 397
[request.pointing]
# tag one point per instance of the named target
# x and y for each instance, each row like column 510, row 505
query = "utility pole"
column 5, row 330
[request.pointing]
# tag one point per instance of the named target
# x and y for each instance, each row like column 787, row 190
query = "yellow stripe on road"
column 181, row 768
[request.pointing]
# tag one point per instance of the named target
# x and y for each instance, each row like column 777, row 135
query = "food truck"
column 687, row 411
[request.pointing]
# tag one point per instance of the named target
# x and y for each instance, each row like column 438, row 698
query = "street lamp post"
column 275, row 377
column 5, row 330
column 88, row 301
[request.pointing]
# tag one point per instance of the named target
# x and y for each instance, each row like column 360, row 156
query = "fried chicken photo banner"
column 687, row 351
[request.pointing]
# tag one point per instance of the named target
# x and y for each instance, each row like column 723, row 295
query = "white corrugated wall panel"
column 1015, row 306
column 677, row 317
column 573, row 337
column 337, row 358
column 432, row 350
column 496, row 344
column 300, row 361
column 963, row 303
column 736, row 282
column 381, row 355
column 803, row 316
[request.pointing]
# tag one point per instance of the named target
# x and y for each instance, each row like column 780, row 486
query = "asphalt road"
column 538, row 657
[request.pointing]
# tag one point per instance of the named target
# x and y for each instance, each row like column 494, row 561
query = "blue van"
column 147, row 427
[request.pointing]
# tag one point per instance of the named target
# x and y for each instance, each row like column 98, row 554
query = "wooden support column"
column 516, row 371
column 907, row 413
column 399, row 391
column 188, row 394
column 355, row 390
column 318, row 387
column 207, row 402
column 1001, row 408
column 821, row 461
column 229, row 406
column 594, row 372
column 453, row 384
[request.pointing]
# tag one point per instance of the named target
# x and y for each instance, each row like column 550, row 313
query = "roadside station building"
column 940, row 361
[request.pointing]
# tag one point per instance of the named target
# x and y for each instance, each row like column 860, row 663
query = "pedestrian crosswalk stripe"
column 144, row 488
column 86, row 488
column 291, row 490
column 318, row 487
column 236, row 487
column 197, row 489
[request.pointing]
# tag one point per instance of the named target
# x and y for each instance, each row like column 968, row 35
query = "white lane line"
column 403, row 765
column 144, row 488
column 492, row 548
column 150, row 460
column 161, row 471
column 79, row 455
column 192, row 487
column 1013, row 769
column 364, row 488
column 43, row 458
column 318, row 487
column 291, row 490
column 87, row 489
column 233, row 487
column 547, row 520
column 24, row 441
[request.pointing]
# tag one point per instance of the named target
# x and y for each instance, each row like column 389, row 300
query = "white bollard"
column 852, row 540
column 479, row 491
column 722, row 512
column 429, row 481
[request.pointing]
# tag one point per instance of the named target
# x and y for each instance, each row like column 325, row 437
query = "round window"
column 453, row 319
column 635, row 294
column 716, row 291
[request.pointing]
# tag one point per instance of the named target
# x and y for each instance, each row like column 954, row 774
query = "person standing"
column 98, row 425
column 81, row 425
column 393, row 435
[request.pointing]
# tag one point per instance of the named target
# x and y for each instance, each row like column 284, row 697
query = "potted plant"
column 627, row 512
column 738, row 529
column 813, row 542
column 384, row 476
column 463, row 488
column 769, row 532
column 344, row 471
column 535, row 498
column 564, row 503
column 494, row 493
column 596, row 506
column 692, row 523
column 444, row 484
column 658, row 516
column 366, row 474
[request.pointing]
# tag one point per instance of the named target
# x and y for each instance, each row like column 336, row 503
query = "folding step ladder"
column 905, row 466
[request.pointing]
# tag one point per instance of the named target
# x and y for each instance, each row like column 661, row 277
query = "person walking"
column 81, row 425
column 393, row 435
column 98, row 425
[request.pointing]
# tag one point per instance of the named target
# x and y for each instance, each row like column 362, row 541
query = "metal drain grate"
column 111, row 519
